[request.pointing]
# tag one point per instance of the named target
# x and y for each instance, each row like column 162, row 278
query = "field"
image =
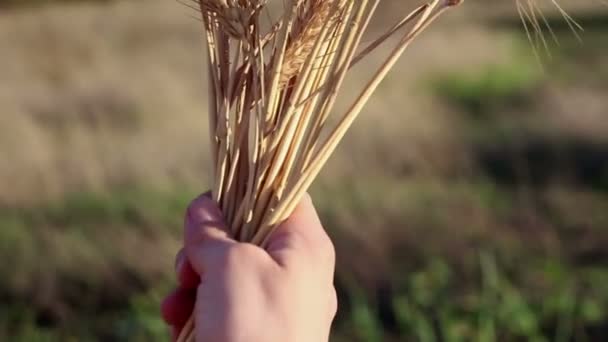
column 468, row 203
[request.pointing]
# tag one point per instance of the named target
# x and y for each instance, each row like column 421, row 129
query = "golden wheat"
column 271, row 94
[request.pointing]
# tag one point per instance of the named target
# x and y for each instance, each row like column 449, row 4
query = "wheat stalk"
column 272, row 89
column 271, row 94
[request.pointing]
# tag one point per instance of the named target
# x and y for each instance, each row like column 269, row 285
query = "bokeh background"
column 468, row 203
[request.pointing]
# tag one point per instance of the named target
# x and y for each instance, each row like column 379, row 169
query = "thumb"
column 301, row 237
column 206, row 237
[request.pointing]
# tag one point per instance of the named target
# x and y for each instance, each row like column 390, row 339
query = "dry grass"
column 70, row 103
column 81, row 113
column 126, row 107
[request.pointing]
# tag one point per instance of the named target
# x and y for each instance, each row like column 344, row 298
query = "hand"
column 243, row 293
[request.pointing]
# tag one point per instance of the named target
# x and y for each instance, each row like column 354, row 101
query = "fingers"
column 186, row 275
column 203, row 233
column 206, row 236
column 301, row 237
column 175, row 332
column 177, row 306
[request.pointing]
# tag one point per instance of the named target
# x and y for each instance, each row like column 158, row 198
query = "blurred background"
column 468, row 203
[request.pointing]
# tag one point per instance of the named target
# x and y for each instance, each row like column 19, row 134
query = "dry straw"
column 272, row 90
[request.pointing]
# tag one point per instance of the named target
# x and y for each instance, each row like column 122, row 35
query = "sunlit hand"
column 243, row 293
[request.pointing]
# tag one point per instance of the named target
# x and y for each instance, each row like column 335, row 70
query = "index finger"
column 206, row 236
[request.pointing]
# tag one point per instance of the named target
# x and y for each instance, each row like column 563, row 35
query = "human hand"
column 239, row 292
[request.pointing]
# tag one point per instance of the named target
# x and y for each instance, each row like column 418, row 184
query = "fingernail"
column 203, row 210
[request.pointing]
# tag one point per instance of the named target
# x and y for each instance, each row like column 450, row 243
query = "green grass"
column 470, row 271
column 80, row 211
column 480, row 93
column 487, row 293
column 79, row 248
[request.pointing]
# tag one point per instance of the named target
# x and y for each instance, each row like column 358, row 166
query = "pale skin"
column 243, row 293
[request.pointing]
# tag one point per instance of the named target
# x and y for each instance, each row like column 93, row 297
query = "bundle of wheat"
column 272, row 90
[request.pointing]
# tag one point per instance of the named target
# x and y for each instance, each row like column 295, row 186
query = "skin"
column 243, row 293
